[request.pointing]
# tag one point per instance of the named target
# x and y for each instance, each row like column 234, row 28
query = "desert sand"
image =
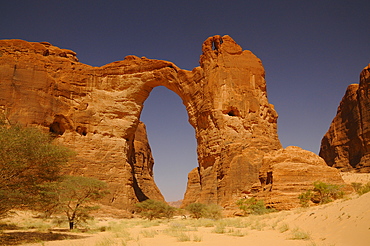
column 344, row 222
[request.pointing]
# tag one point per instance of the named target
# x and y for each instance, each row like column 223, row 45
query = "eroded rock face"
column 346, row 144
column 288, row 172
column 96, row 112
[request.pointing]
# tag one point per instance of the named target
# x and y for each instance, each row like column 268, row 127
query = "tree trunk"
column 71, row 225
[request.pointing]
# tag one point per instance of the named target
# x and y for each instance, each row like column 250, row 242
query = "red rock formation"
column 96, row 111
column 346, row 144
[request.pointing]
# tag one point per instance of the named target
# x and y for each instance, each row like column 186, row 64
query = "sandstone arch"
column 225, row 99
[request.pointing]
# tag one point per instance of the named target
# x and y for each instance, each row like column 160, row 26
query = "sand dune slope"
column 345, row 222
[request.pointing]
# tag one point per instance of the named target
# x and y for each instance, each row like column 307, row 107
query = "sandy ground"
column 355, row 177
column 341, row 223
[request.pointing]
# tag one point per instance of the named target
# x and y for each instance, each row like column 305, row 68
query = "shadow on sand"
column 19, row 237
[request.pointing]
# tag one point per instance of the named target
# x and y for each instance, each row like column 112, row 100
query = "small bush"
column 322, row 193
column 300, row 235
column 234, row 222
column 360, row 188
column 238, row 233
column 197, row 210
column 283, row 228
column 259, row 226
column 305, row 198
column 356, row 186
column 219, row 229
column 152, row 209
column 178, row 226
column 150, row 223
column 202, row 223
column 213, row 211
column 183, row 237
column 178, row 231
column 149, row 233
column 325, row 193
column 197, row 238
column 105, row 241
column 253, row 206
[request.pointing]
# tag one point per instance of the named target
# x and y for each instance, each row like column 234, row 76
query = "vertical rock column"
column 235, row 125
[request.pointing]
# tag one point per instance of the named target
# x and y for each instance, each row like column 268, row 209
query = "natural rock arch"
column 227, row 105
column 225, row 99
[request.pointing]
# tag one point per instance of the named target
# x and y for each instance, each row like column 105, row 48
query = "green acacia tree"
column 28, row 160
column 75, row 196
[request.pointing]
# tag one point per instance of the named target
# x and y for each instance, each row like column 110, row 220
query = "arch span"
column 227, row 105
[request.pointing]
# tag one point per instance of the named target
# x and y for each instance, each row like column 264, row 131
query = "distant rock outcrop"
column 96, row 111
column 346, row 145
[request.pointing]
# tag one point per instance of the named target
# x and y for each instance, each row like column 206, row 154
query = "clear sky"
column 311, row 51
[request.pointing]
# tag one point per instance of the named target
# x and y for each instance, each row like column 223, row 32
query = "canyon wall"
column 346, row 144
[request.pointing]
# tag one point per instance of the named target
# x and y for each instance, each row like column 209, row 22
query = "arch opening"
column 172, row 141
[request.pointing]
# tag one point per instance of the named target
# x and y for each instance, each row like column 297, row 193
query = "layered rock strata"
column 346, row 145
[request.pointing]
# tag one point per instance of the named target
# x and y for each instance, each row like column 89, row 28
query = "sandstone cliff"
column 346, row 144
column 96, row 111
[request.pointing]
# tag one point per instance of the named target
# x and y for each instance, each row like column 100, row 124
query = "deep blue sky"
column 311, row 51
